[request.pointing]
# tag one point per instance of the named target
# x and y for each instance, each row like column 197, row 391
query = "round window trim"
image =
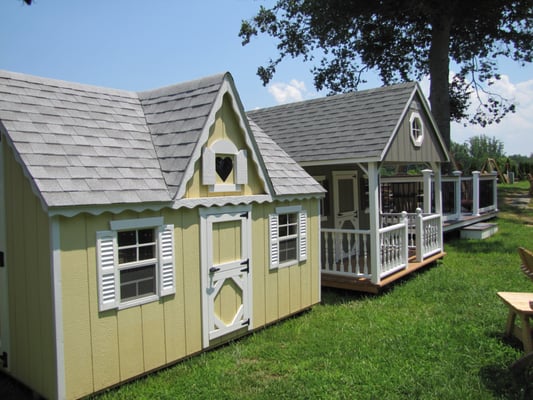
column 416, row 129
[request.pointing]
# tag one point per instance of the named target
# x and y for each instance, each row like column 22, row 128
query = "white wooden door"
column 226, row 273
column 346, row 210
column 346, row 200
column 4, row 310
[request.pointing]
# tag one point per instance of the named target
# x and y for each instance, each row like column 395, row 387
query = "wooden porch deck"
column 366, row 285
column 467, row 220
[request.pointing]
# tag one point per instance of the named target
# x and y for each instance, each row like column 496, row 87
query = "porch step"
column 481, row 230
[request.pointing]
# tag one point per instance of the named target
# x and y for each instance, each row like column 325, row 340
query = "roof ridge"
column 338, row 96
column 64, row 84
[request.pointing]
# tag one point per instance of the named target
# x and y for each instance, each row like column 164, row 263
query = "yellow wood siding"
column 31, row 355
column 105, row 348
column 226, row 126
column 278, row 293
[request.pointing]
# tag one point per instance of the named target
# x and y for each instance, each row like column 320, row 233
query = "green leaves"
column 396, row 38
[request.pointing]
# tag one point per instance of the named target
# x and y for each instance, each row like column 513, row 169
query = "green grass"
column 434, row 335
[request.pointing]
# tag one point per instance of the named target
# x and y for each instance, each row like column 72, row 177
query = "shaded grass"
column 434, row 335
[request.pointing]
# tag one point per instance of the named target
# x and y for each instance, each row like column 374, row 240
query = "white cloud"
column 515, row 130
column 288, row 92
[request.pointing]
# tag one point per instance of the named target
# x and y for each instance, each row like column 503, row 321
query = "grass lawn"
column 434, row 335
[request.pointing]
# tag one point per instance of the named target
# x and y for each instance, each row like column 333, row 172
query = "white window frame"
column 109, row 268
column 224, row 148
column 416, row 139
column 301, row 236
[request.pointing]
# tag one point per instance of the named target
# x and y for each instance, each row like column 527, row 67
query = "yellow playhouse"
column 140, row 228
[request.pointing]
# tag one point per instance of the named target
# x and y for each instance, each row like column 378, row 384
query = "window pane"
column 146, row 236
column 282, row 219
column 127, row 255
column 293, row 229
column 287, row 250
column 146, row 252
column 346, row 195
column 137, row 282
column 292, row 218
column 147, row 287
column 126, row 238
column 128, row 291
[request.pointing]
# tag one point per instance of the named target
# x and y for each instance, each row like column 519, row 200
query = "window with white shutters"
column 288, row 236
column 135, row 262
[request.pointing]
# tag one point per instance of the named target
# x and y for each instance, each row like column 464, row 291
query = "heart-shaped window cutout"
column 224, row 165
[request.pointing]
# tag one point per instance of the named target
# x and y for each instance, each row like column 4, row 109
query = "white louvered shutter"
column 106, row 259
column 241, row 176
column 167, row 280
column 208, row 167
column 302, row 222
column 274, row 240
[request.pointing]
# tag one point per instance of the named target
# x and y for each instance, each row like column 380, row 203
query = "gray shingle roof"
column 287, row 177
column 176, row 116
column 83, row 145
column 355, row 126
column 80, row 144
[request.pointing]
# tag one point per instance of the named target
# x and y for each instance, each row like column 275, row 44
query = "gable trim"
column 227, row 87
column 428, row 114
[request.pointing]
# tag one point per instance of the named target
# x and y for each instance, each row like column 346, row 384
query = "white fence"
column 346, row 252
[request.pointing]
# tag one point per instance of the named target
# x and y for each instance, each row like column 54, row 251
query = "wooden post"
column 438, row 190
column 475, row 193
column 405, row 249
column 419, row 234
column 374, row 208
column 427, row 190
column 495, row 190
column 458, row 194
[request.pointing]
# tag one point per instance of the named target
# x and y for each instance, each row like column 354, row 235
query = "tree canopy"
column 404, row 40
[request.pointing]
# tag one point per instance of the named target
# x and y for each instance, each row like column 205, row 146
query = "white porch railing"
column 461, row 196
column 469, row 196
column 394, row 247
column 424, row 233
column 346, row 252
column 429, row 238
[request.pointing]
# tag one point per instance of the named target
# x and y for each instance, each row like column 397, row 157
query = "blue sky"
column 140, row 44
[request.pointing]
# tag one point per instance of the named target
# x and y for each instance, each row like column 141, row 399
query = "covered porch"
column 391, row 244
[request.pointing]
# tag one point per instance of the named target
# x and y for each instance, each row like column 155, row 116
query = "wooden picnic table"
column 520, row 305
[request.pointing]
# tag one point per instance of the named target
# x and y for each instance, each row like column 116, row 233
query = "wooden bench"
column 520, row 305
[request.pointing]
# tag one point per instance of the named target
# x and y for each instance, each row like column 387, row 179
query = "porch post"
column 374, row 214
column 458, row 194
column 495, row 190
column 427, row 190
column 419, row 235
column 475, row 195
column 438, row 191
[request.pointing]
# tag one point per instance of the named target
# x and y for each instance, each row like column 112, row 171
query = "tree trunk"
column 439, row 70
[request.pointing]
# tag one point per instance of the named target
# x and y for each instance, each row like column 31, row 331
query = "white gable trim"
column 226, row 87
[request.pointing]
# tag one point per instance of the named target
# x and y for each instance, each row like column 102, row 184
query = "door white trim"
column 337, row 217
column 208, row 216
column 4, row 299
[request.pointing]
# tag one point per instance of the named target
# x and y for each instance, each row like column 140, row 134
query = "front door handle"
column 212, row 270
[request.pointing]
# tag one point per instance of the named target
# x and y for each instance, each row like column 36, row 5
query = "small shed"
column 137, row 229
